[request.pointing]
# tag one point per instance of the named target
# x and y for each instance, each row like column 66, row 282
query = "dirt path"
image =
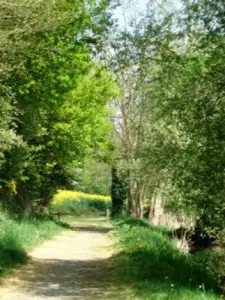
column 72, row 266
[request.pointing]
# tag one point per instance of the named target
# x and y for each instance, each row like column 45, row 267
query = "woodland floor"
column 72, row 266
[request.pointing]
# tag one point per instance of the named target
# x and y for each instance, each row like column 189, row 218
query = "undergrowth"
column 17, row 235
column 148, row 261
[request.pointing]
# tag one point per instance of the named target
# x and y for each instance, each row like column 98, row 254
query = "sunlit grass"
column 147, row 260
column 17, row 236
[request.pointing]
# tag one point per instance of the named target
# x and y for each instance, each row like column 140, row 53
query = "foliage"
column 94, row 177
column 130, row 121
column 189, row 110
column 57, row 108
column 79, row 202
column 148, row 260
column 170, row 123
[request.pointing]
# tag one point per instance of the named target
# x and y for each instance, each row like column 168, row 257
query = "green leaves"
column 61, row 94
column 171, row 71
column 190, row 110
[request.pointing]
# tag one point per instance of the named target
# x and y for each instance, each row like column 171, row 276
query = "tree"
column 61, row 94
column 134, row 120
column 187, row 93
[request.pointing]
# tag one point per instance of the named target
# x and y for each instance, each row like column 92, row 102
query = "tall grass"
column 149, row 261
column 19, row 235
column 79, row 202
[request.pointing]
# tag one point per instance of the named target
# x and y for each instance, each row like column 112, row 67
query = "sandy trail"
column 72, row 266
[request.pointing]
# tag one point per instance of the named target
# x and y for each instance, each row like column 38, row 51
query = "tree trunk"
column 152, row 207
column 141, row 199
column 130, row 195
column 156, row 214
column 136, row 196
column 142, row 189
column 139, row 207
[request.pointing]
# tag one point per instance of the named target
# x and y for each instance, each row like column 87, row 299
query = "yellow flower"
column 62, row 195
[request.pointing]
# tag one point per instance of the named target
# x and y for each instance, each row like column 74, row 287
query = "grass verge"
column 148, row 261
column 19, row 235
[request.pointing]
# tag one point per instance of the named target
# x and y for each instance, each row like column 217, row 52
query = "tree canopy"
column 54, row 95
column 145, row 99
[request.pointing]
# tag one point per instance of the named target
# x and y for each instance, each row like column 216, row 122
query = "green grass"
column 19, row 235
column 149, row 262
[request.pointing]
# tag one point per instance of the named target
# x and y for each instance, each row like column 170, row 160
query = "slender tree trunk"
column 139, row 207
column 131, row 208
column 136, row 196
column 156, row 213
column 152, row 207
column 130, row 194
column 141, row 196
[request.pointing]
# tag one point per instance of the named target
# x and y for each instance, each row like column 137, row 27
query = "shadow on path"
column 78, row 279
column 92, row 229
column 75, row 266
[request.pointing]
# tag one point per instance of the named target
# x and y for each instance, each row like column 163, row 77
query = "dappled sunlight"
column 74, row 265
column 149, row 261
column 80, row 279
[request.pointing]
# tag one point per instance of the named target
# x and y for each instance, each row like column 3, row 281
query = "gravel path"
column 72, row 266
